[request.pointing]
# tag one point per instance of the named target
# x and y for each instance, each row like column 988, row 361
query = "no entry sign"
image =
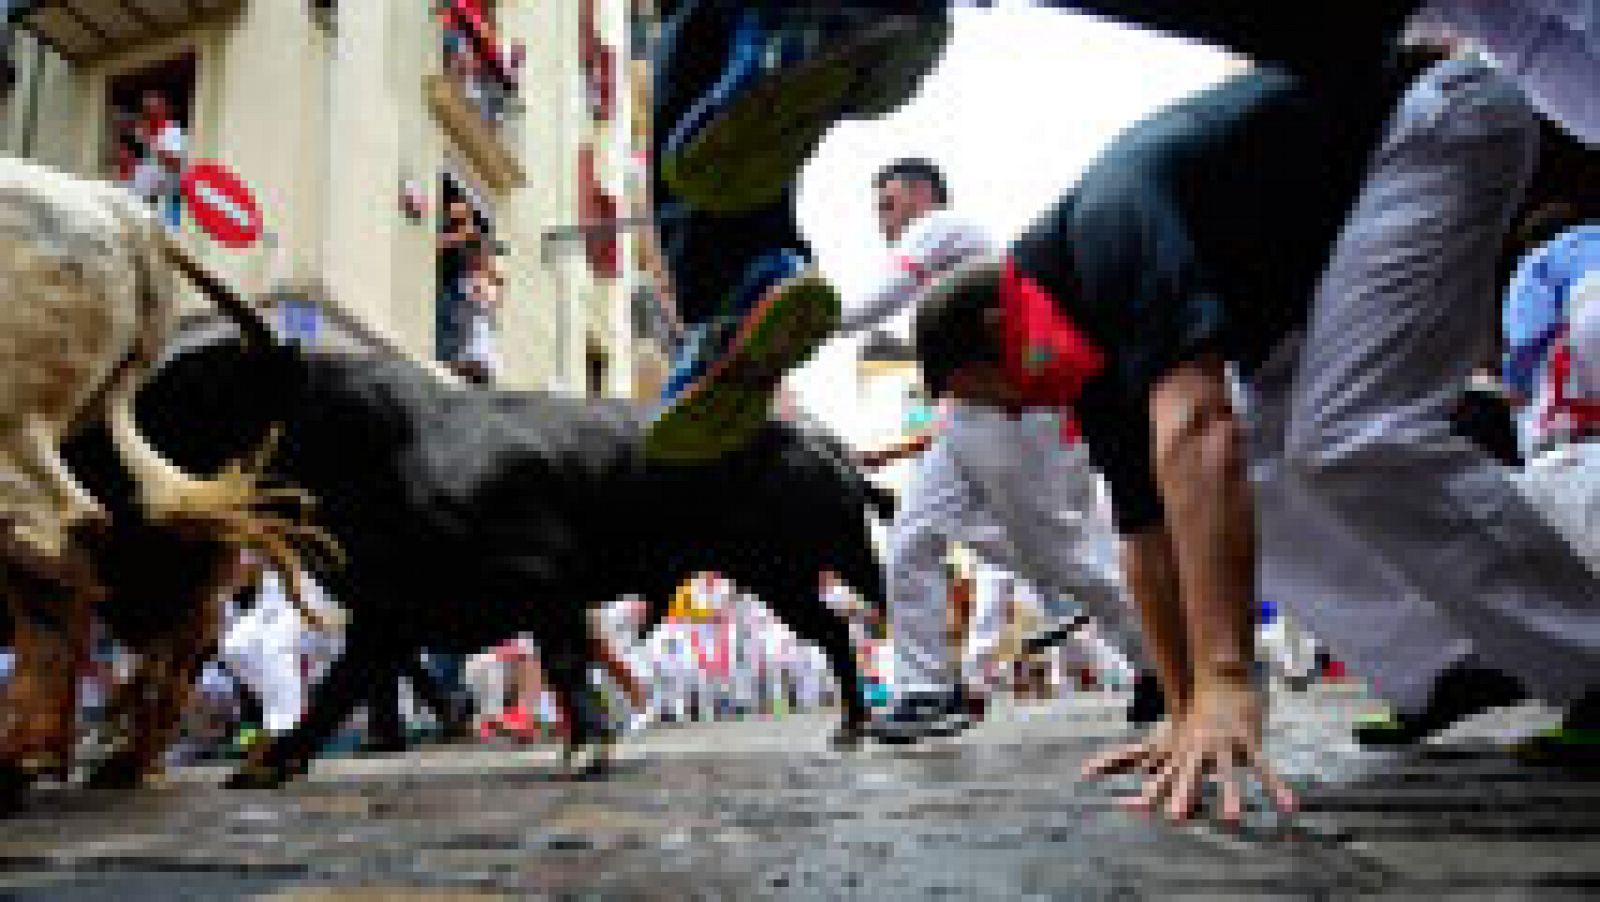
column 221, row 205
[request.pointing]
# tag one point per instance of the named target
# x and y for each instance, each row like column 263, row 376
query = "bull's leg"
column 386, row 732
column 802, row 611
column 38, row 712
column 589, row 736
column 163, row 687
column 363, row 664
column 46, row 499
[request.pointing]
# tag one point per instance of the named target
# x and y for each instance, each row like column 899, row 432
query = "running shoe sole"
column 746, row 156
column 727, row 406
column 952, row 725
column 1560, row 747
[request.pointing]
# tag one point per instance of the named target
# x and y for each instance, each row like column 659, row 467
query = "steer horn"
column 252, row 325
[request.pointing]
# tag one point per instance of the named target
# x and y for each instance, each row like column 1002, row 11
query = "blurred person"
column 1287, row 651
column 1130, row 299
column 973, row 472
column 1535, row 320
column 162, row 145
column 459, row 241
column 263, row 647
column 485, row 283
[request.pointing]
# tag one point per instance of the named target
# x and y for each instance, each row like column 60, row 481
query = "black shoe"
column 1461, row 692
column 1149, row 702
column 919, row 716
column 1575, row 742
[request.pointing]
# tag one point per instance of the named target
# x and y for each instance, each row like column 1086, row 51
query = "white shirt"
column 151, row 179
column 1551, row 47
column 931, row 246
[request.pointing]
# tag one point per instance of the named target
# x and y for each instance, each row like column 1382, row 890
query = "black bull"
column 469, row 516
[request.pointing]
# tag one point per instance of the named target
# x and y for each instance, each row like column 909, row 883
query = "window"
column 148, row 133
column 469, row 287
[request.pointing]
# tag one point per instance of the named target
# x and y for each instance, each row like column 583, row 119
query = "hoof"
column 588, row 760
column 257, row 777
column 848, row 737
column 14, row 783
column 258, row 773
column 117, row 772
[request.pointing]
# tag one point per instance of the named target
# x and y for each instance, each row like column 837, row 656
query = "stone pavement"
column 761, row 810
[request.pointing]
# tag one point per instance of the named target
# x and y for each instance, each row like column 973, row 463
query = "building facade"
column 357, row 126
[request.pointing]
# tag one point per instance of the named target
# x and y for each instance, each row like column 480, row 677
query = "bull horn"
column 252, row 325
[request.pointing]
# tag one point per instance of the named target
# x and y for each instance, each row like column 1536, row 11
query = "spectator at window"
column 160, row 144
column 480, row 361
column 458, row 242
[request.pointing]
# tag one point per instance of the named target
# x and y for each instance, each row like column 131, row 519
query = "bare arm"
column 873, row 460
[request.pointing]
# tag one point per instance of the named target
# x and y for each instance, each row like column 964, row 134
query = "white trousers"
column 485, row 676
column 1288, row 650
column 1400, row 545
column 1011, row 491
column 992, row 592
column 269, row 666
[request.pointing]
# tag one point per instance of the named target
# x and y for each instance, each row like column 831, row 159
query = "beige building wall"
column 326, row 125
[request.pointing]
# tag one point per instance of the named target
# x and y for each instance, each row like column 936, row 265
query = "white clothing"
column 1009, row 489
column 1564, row 482
column 932, row 245
column 481, row 345
column 1085, row 646
column 1400, row 545
column 1550, row 47
column 485, row 676
column 1289, row 651
column 151, row 179
column 263, row 648
column 992, row 591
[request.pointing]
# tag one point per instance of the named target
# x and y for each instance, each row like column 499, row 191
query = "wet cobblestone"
column 760, row 810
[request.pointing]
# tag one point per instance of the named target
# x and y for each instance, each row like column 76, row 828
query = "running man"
column 745, row 120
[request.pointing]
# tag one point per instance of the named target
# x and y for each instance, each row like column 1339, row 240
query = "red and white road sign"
column 222, row 205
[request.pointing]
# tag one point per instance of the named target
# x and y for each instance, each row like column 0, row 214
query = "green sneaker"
column 730, row 403
column 743, row 143
column 1560, row 747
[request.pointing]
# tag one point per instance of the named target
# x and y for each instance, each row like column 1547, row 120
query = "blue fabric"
column 743, row 71
column 450, row 321
column 764, row 272
column 1536, row 303
column 693, row 358
column 707, row 342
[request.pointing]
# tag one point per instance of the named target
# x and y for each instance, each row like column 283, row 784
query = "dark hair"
column 953, row 322
column 1543, row 224
column 915, row 169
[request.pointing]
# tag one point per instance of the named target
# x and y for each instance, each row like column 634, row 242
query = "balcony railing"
column 478, row 63
column 86, row 30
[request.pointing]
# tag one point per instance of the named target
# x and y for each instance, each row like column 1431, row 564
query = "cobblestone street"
column 750, row 809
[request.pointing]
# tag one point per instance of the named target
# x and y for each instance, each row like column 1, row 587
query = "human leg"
column 1399, row 322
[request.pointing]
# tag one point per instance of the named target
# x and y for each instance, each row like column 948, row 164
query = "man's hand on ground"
column 1216, row 739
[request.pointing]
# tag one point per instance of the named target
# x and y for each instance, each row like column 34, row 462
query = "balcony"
column 87, row 30
column 475, row 96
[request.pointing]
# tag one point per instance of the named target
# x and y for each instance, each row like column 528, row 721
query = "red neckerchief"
column 1570, row 417
column 1043, row 353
